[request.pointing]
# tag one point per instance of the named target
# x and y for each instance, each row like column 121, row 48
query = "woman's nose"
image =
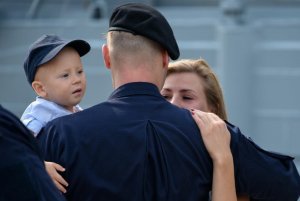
column 175, row 101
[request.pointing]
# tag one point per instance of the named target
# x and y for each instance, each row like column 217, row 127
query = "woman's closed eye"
column 167, row 97
column 187, row 98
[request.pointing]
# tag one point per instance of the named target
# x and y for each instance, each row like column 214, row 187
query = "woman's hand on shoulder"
column 215, row 135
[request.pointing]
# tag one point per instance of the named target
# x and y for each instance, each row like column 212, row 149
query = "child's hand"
column 52, row 169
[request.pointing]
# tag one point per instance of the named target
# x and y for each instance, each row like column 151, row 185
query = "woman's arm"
column 216, row 138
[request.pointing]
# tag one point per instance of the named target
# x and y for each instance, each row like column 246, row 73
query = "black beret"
column 144, row 20
column 46, row 48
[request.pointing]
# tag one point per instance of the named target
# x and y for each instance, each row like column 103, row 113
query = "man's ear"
column 106, row 57
column 39, row 89
column 165, row 59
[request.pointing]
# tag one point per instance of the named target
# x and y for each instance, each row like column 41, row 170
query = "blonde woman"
column 192, row 84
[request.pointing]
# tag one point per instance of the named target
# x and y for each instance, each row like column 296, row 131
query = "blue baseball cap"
column 46, row 48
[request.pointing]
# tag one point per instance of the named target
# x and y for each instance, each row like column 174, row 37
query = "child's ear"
column 39, row 89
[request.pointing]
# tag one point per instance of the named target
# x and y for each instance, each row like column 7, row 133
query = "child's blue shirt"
column 41, row 111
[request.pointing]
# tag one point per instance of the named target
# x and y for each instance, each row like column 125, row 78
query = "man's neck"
column 120, row 79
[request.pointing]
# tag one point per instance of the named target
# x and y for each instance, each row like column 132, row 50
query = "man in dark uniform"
column 136, row 145
column 22, row 173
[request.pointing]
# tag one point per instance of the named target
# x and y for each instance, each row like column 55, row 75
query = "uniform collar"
column 136, row 88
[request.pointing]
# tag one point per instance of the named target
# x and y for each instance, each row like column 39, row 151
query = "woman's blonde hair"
column 212, row 88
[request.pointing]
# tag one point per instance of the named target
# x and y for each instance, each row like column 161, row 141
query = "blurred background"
column 252, row 45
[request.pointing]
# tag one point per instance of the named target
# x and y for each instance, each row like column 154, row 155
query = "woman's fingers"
column 215, row 134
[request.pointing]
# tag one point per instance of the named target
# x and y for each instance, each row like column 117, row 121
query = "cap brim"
column 81, row 46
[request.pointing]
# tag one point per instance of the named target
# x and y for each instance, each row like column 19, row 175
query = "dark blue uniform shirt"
column 22, row 173
column 136, row 146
